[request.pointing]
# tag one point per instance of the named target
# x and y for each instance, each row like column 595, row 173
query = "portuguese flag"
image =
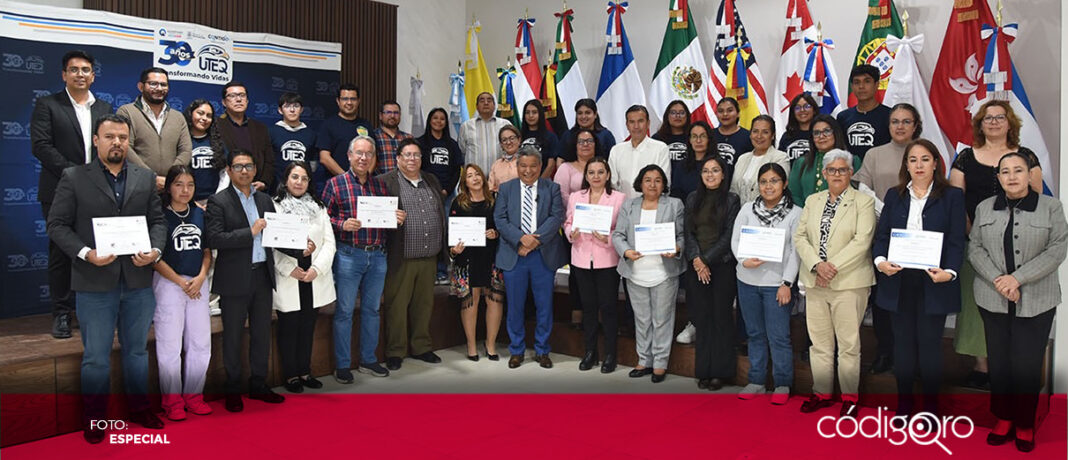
column 882, row 21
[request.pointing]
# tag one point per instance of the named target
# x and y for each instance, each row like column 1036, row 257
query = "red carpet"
column 531, row 426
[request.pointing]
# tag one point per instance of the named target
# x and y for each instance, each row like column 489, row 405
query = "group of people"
column 837, row 200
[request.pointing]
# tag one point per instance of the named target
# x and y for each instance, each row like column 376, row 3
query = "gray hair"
column 362, row 137
column 528, row 151
column 838, row 154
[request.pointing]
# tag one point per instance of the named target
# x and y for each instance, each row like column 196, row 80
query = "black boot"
column 609, row 364
column 588, row 361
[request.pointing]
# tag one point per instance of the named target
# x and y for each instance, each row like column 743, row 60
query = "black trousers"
column 1016, row 347
column 711, row 309
column 296, row 331
column 256, row 307
column 599, row 291
column 883, row 325
column 917, row 345
column 58, row 275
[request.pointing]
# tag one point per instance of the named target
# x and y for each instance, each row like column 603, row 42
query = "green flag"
column 882, row 21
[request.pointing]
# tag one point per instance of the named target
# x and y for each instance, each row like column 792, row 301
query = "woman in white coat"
column 305, row 279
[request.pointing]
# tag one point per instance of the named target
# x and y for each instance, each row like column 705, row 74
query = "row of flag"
column 973, row 67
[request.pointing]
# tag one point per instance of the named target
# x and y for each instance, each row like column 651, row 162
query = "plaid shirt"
column 339, row 195
column 387, row 149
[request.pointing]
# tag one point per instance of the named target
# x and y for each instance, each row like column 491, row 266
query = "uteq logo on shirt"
column 202, row 158
column 439, row 156
column 186, row 237
column 293, row 150
column 861, row 134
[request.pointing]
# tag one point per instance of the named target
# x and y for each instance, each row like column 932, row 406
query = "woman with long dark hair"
column 209, row 158
column 586, row 117
column 732, row 140
column 687, row 177
column 442, row 156
column 806, row 174
column 674, row 131
column 747, row 169
column 797, row 140
column 535, row 132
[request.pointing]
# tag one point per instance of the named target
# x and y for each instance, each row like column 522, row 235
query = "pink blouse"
column 502, row 171
column 570, row 180
column 586, row 250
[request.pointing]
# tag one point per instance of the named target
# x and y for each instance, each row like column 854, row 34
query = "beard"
column 115, row 157
column 152, row 99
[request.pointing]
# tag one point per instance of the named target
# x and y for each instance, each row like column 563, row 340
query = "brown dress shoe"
column 544, row 361
column 515, row 361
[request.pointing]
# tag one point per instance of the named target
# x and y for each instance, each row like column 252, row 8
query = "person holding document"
column 650, row 269
column 115, row 288
column 833, row 241
column 473, row 273
column 764, row 283
column 1018, row 240
column 305, row 277
column 594, row 260
column 710, row 274
column 918, row 299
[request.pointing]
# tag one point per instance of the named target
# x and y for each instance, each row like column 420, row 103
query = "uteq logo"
column 175, row 53
column 924, row 428
column 213, row 58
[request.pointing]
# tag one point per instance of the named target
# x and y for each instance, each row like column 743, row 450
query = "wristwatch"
column 788, row 284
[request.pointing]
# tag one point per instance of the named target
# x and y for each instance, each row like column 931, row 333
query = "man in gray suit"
column 110, row 289
column 60, row 131
column 529, row 213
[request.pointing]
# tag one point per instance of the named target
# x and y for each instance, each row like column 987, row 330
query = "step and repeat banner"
column 199, row 59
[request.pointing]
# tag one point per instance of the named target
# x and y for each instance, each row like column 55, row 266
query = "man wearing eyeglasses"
column 388, row 136
column 238, row 131
column 159, row 136
column 292, row 140
column 60, row 131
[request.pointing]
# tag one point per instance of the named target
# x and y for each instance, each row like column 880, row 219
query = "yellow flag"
column 477, row 75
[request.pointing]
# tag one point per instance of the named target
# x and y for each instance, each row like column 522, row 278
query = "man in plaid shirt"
column 360, row 261
column 388, row 136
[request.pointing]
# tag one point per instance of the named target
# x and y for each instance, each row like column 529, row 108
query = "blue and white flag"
column 620, row 86
column 820, row 80
column 457, row 102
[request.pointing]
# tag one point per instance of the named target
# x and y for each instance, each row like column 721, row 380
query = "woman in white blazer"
column 305, row 279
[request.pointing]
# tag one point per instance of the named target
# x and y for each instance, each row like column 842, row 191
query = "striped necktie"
column 528, row 209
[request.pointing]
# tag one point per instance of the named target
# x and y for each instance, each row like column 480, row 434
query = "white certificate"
column 285, row 231
column 652, row 239
column 376, row 211
column 592, row 217
column 762, row 243
column 125, row 235
column 915, row 248
column 469, row 230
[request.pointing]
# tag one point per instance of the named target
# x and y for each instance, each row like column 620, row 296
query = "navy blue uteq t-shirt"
column 730, row 147
column 185, row 242
column 335, row 134
column 205, row 176
column 294, row 145
column 865, row 130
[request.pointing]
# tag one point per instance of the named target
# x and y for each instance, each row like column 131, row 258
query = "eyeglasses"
column 585, row 142
column 292, row 106
column 299, row 178
column 906, row 122
column 80, row 70
column 994, row 119
column 363, row 154
column 243, row 167
column 157, row 84
column 509, row 139
column 411, row 155
column 390, row 112
column 802, row 107
column 823, row 132
column 237, row 96
column 677, row 113
column 837, row 171
column 699, row 137
column 348, row 99
column 765, row 182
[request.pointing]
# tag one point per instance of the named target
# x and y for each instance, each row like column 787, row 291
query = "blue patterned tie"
column 528, row 209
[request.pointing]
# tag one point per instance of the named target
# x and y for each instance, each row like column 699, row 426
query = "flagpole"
column 905, row 22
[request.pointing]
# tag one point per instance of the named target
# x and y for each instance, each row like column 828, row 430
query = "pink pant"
column 181, row 323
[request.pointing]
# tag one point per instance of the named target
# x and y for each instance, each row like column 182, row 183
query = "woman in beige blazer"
column 833, row 240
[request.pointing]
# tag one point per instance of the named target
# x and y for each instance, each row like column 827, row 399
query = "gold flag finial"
column 819, row 31
column 1000, row 6
column 905, row 22
column 738, row 36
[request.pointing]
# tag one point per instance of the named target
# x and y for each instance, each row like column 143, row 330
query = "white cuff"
column 879, row 260
column 84, row 253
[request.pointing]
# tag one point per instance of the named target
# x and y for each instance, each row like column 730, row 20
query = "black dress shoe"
column 608, row 366
column 543, row 361
column 1025, row 446
column 849, row 409
column 146, row 419
column 588, row 361
column 639, row 373
column 393, row 363
column 815, row 403
column 266, row 395
column 61, row 326
column 428, row 357
column 882, row 363
column 657, row 378
column 311, row 382
column 999, row 439
column 715, row 384
column 515, row 361
column 703, row 383
column 294, row 385
column 94, row 436
column 978, row 380
column 493, row 357
column 473, row 357
column 234, row 403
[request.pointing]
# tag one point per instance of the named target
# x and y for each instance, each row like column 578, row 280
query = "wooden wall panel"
column 367, row 31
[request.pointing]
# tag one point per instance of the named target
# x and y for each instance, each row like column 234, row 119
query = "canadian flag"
column 958, row 75
column 790, row 83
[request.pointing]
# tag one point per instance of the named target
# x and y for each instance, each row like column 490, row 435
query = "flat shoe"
column 639, row 373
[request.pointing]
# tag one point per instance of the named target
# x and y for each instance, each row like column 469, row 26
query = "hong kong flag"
column 958, row 75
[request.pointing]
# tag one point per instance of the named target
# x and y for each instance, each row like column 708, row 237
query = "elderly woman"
column 916, row 300
column 995, row 132
column 806, row 174
column 505, row 168
column 1018, row 240
column 833, row 240
column 652, row 279
column 762, row 135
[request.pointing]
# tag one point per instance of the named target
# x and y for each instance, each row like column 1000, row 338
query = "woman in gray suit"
column 1018, row 240
column 652, row 280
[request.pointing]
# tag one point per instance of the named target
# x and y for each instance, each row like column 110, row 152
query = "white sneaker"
column 686, row 336
column 751, row 391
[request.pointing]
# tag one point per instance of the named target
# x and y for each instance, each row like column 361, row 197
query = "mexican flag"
column 680, row 71
column 568, row 77
column 882, row 21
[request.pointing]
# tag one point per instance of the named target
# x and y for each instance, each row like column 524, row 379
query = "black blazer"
column 720, row 251
column 942, row 214
column 228, row 231
column 84, row 193
column 57, row 139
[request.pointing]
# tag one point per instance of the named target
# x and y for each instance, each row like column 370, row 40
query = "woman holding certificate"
column 473, row 273
column 1018, row 239
column 649, row 237
column 305, row 278
column 919, row 293
column 764, row 283
column 593, row 259
column 833, row 241
column 506, row 167
column 710, row 275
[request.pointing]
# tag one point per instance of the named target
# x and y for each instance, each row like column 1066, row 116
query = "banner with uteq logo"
column 199, row 59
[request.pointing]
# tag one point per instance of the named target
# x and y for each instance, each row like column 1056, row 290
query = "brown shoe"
column 515, row 361
column 544, row 361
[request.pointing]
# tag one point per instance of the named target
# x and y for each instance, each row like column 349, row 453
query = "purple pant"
column 181, row 323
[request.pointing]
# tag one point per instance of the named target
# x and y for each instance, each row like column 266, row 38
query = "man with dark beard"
column 159, row 136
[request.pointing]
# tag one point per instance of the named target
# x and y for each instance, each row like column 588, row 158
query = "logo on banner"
column 12, row 62
column 44, row 292
column 39, row 93
column 106, row 97
column 326, row 88
column 40, row 228
column 194, row 55
column 16, row 196
column 24, row 263
column 15, row 130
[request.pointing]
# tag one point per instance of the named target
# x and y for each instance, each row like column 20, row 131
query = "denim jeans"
column 99, row 313
column 767, row 324
column 356, row 270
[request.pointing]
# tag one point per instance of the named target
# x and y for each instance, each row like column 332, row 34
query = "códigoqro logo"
column 127, row 438
column 923, row 428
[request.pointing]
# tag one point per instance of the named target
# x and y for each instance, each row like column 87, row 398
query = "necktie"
column 528, row 209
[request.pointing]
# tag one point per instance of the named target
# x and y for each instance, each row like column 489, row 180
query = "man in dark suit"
column 238, row 131
column 529, row 213
column 60, row 131
column 110, row 289
column 244, row 278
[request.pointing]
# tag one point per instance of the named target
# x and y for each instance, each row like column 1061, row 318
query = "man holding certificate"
column 115, row 288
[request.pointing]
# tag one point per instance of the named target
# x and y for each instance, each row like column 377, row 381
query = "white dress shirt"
column 626, row 161
column 85, row 121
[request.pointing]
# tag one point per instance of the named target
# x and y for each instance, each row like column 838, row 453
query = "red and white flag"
column 958, row 76
column 527, row 83
column 791, row 76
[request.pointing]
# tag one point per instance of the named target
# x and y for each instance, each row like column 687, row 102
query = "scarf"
column 770, row 217
column 304, row 205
